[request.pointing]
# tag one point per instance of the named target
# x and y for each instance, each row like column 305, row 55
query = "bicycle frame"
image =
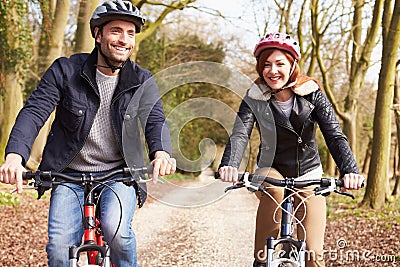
column 93, row 244
column 286, row 238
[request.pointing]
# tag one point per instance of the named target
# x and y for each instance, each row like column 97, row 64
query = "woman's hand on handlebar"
column 163, row 164
column 11, row 171
column 352, row 181
column 228, row 174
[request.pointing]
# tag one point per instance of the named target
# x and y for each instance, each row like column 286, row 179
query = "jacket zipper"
column 139, row 192
column 112, row 118
column 299, row 141
column 84, row 141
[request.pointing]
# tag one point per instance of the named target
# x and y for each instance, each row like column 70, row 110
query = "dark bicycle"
column 97, row 251
column 286, row 251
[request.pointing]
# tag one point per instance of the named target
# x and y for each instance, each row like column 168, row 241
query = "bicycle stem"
column 286, row 222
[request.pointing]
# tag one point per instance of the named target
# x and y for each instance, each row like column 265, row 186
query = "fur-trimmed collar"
column 263, row 92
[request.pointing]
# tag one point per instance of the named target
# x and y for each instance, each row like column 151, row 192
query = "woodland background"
column 338, row 39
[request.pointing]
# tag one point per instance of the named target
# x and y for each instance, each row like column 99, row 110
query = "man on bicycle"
column 94, row 95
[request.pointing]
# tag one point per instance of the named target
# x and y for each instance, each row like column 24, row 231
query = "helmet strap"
column 287, row 85
column 109, row 65
column 293, row 68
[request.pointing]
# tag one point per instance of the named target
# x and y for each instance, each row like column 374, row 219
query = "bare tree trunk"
column 56, row 38
column 14, row 53
column 83, row 37
column 396, row 188
column 331, row 165
column 396, row 107
column 53, row 35
column 47, row 9
column 360, row 63
column 367, row 158
column 396, row 176
column 12, row 104
column 378, row 172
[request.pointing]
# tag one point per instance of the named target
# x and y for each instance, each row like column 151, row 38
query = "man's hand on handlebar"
column 163, row 164
column 11, row 171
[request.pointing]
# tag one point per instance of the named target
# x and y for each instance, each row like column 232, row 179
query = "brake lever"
column 235, row 186
column 325, row 191
column 138, row 178
column 252, row 187
column 344, row 193
column 30, row 186
column 241, row 183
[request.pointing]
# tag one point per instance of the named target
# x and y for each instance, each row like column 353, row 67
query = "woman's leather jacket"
column 289, row 145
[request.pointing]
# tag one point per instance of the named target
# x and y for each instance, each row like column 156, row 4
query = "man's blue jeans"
column 65, row 223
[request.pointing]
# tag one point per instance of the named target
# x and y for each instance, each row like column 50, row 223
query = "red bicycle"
column 97, row 250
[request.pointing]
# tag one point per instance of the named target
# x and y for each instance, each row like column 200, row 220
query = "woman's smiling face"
column 276, row 70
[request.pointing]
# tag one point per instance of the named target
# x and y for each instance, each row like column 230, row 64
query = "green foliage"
column 8, row 199
column 150, row 54
column 160, row 52
column 15, row 38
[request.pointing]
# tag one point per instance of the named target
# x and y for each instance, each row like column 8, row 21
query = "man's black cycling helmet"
column 116, row 10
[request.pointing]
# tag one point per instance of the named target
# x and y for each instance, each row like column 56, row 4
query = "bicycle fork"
column 286, row 237
column 98, row 252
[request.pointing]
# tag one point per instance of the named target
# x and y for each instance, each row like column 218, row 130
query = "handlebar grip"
column 340, row 183
column 28, row 175
column 148, row 169
column 240, row 176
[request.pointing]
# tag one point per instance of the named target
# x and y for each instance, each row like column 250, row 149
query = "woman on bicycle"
column 286, row 108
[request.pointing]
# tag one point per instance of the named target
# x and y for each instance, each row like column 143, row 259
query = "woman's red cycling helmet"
column 278, row 40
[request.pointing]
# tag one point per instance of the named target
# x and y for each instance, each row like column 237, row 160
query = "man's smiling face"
column 117, row 41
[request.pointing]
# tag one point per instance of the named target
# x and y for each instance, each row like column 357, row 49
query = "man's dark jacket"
column 69, row 86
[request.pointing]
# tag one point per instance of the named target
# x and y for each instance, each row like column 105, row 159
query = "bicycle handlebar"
column 44, row 180
column 126, row 172
column 254, row 183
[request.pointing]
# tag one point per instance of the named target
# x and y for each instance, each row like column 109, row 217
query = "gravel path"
column 206, row 235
